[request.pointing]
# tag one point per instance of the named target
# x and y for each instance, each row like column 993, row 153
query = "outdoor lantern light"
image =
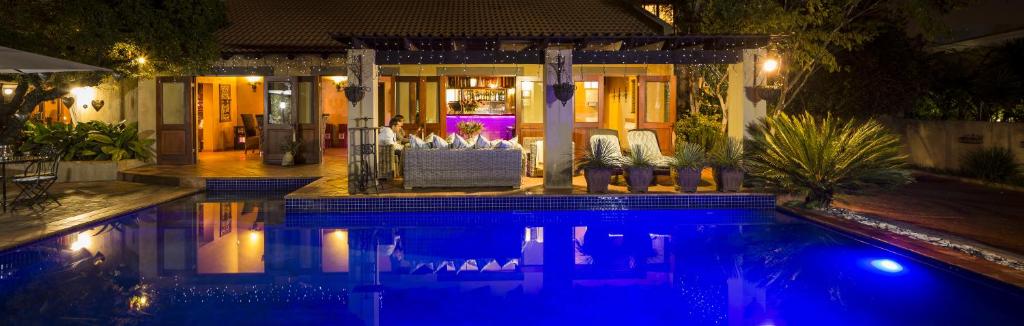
column 770, row 65
column 141, row 60
column 253, row 80
column 472, row 82
column 338, row 80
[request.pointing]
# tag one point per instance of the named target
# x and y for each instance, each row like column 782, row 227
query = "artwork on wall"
column 199, row 100
column 225, row 103
column 225, row 219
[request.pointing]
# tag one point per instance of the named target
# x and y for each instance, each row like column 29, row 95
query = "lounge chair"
column 612, row 138
column 647, row 141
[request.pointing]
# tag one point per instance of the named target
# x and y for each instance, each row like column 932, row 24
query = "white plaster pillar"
column 558, row 124
column 361, row 61
column 741, row 110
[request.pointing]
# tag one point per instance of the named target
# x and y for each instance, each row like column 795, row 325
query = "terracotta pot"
column 597, row 179
column 688, row 179
column 639, row 178
column 728, row 179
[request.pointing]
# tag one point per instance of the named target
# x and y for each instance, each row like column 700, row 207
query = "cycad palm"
column 823, row 157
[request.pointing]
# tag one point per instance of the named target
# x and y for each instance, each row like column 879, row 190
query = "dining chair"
column 35, row 182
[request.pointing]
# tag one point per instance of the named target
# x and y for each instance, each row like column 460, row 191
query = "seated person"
column 393, row 134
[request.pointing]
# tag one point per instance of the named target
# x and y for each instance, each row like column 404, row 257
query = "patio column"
column 741, row 110
column 362, row 113
column 558, row 124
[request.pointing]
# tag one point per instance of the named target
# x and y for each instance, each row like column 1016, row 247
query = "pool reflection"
column 220, row 260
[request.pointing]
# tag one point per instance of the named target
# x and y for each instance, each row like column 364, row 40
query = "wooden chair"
column 252, row 133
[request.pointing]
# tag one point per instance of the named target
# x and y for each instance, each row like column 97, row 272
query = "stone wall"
column 941, row 144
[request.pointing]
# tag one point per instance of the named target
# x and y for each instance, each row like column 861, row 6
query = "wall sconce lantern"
column 339, row 81
column 253, row 82
column 355, row 91
column 563, row 90
column 768, row 66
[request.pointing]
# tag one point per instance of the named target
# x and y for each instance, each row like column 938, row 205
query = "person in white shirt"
column 393, row 134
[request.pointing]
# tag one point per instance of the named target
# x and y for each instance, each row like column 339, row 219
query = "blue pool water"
column 222, row 260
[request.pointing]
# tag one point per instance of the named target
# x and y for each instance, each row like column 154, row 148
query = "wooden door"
column 432, row 103
column 175, row 122
column 589, row 110
column 529, row 108
column 309, row 116
column 657, row 108
column 408, row 103
column 280, row 115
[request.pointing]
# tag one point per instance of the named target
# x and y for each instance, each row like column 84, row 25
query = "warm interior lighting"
column 254, row 235
column 81, row 242
column 590, row 85
column 253, row 81
column 84, row 95
column 451, row 95
column 141, row 60
column 770, row 65
column 527, row 86
column 338, row 81
column 472, row 82
column 8, row 91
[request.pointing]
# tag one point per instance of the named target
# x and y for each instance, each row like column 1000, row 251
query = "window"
column 430, row 105
column 173, row 104
column 587, row 101
column 531, row 97
column 658, row 99
column 280, row 102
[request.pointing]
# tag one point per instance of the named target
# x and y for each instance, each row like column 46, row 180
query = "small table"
column 3, row 170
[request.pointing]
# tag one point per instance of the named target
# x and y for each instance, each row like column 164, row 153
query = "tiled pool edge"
column 530, row 202
column 257, row 184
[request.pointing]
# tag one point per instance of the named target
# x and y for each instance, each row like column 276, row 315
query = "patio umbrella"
column 20, row 62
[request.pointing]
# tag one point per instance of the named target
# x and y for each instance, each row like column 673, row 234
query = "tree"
column 134, row 38
column 811, row 31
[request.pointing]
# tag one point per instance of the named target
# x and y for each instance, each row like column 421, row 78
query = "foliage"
column 689, row 156
column 292, row 146
column 470, row 128
column 93, row 140
column 698, row 129
column 823, row 157
column 638, row 158
column 983, row 84
column 174, row 37
column 813, row 31
column 728, row 154
column 600, row 156
column 994, row 164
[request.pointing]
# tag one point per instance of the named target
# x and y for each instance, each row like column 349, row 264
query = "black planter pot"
column 355, row 93
column 597, row 179
column 639, row 178
column 564, row 91
column 688, row 179
column 728, row 179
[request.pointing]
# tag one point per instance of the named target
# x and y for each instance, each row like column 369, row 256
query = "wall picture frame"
column 225, row 103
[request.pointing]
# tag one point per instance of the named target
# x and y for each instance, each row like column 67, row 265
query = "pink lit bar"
column 495, row 126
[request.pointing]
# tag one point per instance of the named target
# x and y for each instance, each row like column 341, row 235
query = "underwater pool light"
column 887, row 265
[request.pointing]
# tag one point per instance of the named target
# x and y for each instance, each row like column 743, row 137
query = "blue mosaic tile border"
column 719, row 216
column 536, row 202
column 258, row 184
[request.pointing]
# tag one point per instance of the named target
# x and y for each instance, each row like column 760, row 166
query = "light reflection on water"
column 216, row 260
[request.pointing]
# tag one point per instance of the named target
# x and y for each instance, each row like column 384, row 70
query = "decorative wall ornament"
column 355, row 90
column 563, row 90
column 68, row 101
column 97, row 105
column 225, row 103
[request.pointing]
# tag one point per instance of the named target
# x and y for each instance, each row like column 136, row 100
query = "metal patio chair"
column 36, row 181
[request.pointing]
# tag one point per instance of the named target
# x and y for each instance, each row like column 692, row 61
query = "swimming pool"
column 223, row 259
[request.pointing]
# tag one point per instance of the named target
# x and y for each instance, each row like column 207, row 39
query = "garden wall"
column 941, row 144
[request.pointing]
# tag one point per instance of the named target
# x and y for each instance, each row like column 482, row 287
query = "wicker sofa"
column 462, row 167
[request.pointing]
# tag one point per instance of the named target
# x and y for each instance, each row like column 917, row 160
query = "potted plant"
column 470, row 129
column 689, row 163
column 727, row 161
column 290, row 149
column 597, row 166
column 639, row 170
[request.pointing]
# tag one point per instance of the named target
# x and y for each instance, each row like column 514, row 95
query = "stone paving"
column 81, row 203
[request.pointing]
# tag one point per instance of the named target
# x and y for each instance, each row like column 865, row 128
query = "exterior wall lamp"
column 339, row 82
column 767, row 65
column 253, row 81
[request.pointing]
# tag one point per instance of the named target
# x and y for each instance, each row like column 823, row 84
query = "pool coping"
column 950, row 257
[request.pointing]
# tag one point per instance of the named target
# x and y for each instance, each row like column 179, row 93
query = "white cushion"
column 458, row 142
column 481, row 143
column 437, row 142
column 503, row 144
column 416, row 142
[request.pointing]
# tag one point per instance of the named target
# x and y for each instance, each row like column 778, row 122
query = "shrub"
column 689, row 156
column 638, row 158
column 601, row 156
column 995, row 164
column 727, row 154
column 822, row 158
column 92, row 140
column 699, row 129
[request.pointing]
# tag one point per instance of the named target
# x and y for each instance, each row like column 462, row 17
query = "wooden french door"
column 290, row 112
column 175, row 122
column 418, row 99
column 657, row 108
column 589, row 107
column 529, row 108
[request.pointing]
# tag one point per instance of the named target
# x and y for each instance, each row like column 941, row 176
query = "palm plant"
column 822, row 158
column 640, row 168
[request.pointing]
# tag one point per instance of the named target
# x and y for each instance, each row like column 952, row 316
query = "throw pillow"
column 437, row 142
column 503, row 144
column 416, row 142
column 481, row 143
column 458, row 142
